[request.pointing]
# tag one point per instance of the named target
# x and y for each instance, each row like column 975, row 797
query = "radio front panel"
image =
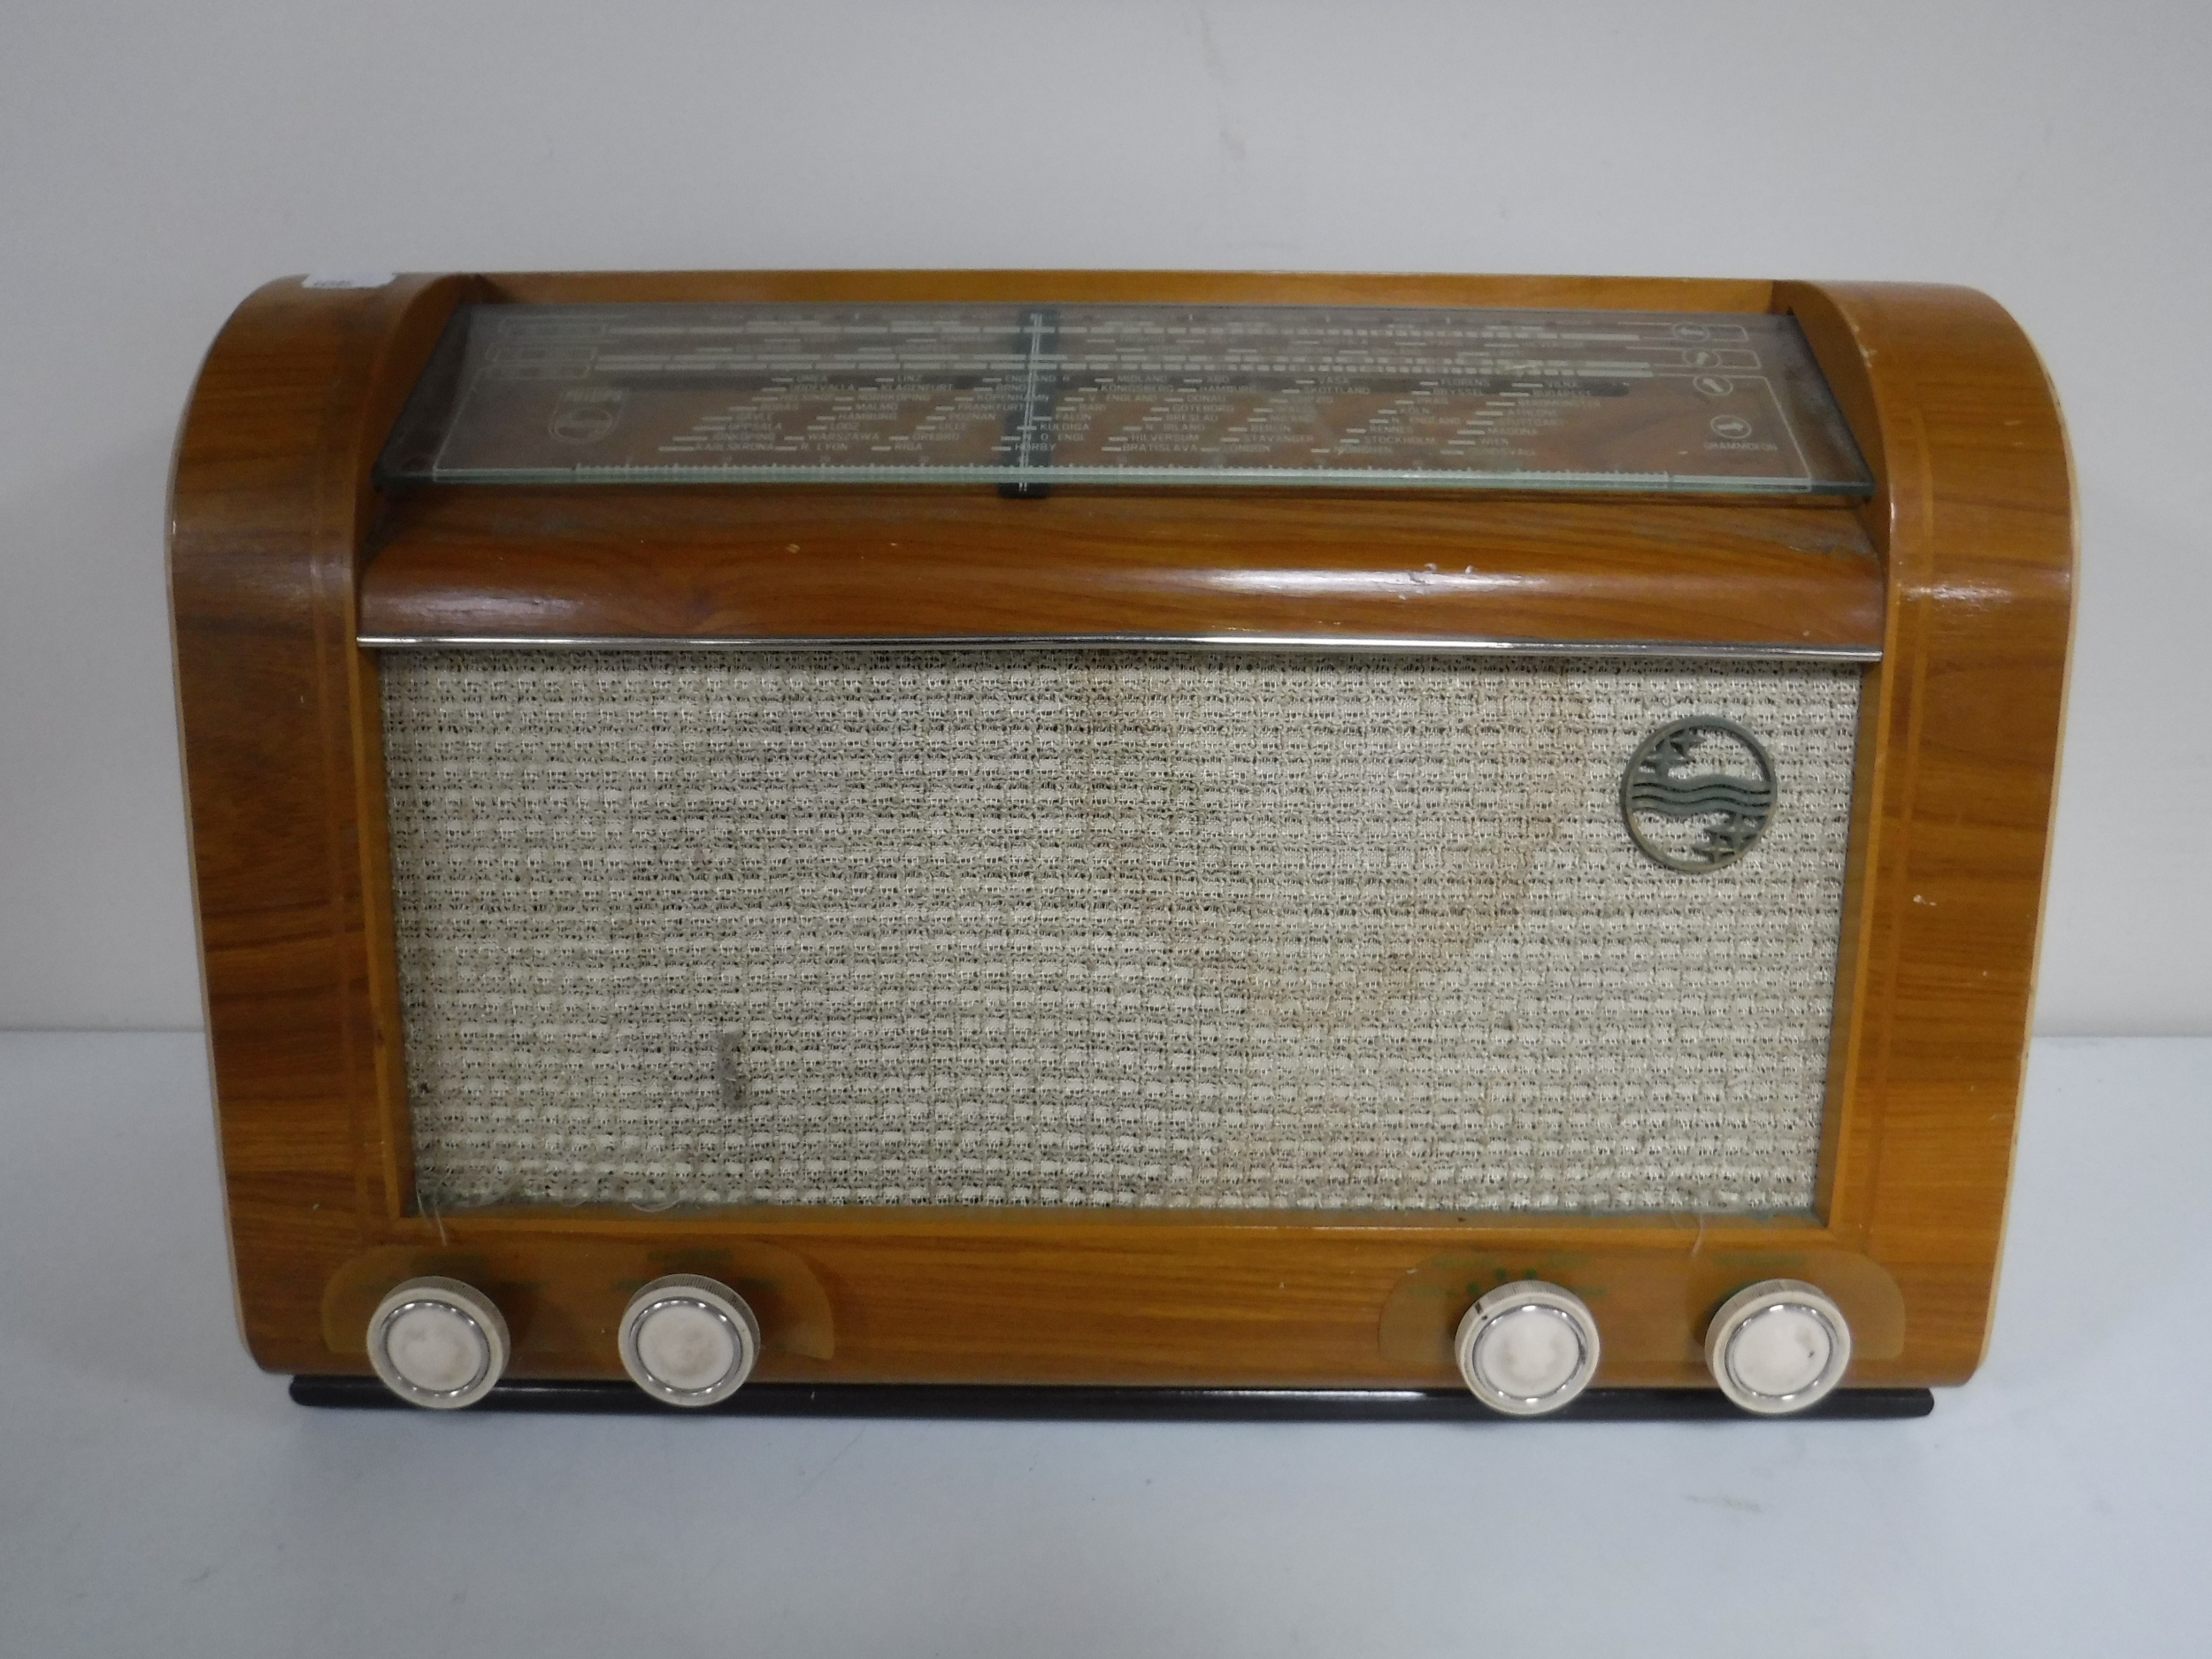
column 1172, row 831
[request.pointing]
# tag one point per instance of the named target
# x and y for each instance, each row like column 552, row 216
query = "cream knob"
column 438, row 1342
column 1777, row 1347
column 688, row 1340
column 1527, row 1348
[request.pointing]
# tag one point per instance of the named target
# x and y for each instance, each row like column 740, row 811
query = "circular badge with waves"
column 1698, row 794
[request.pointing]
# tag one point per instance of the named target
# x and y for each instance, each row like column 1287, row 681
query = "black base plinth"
column 1156, row 1405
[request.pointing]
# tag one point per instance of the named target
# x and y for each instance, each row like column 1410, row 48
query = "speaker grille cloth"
column 1100, row 928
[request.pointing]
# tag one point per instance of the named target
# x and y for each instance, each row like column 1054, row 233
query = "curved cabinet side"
column 269, row 505
column 1974, row 516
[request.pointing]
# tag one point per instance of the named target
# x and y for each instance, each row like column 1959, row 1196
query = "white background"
column 158, row 162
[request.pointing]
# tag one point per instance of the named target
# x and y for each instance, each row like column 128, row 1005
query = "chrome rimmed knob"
column 438, row 1343
column 1779, row 1346
column 688, row 1340
column 1527, row 1348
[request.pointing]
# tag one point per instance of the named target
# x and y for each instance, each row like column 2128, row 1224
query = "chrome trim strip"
column 1336, row 644
column 1362, row 478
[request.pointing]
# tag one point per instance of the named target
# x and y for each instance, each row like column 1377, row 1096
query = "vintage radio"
column 1235, row 838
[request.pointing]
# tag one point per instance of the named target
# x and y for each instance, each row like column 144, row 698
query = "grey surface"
column 158, row 162
column 159, row 1496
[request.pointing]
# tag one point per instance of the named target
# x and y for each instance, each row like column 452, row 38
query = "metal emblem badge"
column 1698, row 794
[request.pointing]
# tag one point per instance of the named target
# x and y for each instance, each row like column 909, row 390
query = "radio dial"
column 1527, row 1348
column 1779, row 1346
column 688, row 1340
column 438, row 1342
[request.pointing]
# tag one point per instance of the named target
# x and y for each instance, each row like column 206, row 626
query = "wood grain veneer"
column 1960, row 567
column 817, row 562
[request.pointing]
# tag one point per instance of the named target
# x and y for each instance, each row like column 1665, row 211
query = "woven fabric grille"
column 1100, row 928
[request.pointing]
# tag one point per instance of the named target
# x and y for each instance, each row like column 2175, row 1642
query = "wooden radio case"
column 315, row 557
